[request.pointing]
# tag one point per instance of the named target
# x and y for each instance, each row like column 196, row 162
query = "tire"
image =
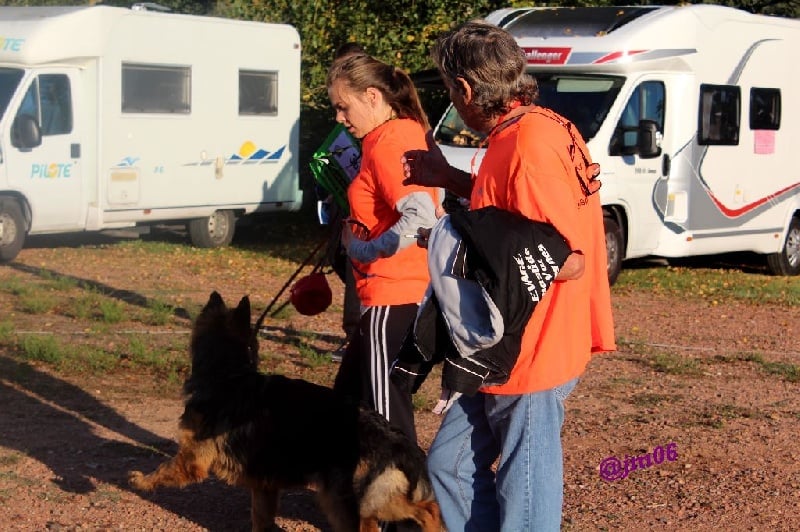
column 787, row 260
column 615, row 248
column 12, row 229
column 214, row 231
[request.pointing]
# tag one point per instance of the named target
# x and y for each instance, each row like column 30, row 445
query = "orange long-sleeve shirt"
column 373, row 195
column 527, row 169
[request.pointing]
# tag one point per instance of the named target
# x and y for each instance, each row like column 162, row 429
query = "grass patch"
column 14, row 286
column 6, row 331
column 675, row 364
column 70, row 357
column 19, row 481
column 284, row 312
column 57, row 282
column 111, row 311
column 311, row 354
column 785, row 370
column 155, row 247
column 36, row 302
column 43, row 348
column 10, row 459
column 713, row 285
column 102, row 496
column 141, row 354
column 625, row 382
column 170, row 362
column 728, row 411
column 648, row 400
column 717, row 415
column 93, row 359
column 158, row 312
column 422, row 402
column 82, row 307
column 663, row 362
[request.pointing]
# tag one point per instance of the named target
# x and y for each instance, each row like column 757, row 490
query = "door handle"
column 75, row 151
column 666, row 165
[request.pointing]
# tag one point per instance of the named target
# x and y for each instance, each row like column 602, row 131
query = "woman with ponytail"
column 378, row 104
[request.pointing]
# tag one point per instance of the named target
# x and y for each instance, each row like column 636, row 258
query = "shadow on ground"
column 56, row 423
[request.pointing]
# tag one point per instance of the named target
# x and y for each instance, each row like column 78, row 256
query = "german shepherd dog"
column 270, row 432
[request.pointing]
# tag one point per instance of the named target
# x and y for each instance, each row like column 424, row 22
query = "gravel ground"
column 700, row 399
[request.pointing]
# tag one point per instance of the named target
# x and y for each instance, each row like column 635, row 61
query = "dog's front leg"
column 263, row 508
column 190, row 465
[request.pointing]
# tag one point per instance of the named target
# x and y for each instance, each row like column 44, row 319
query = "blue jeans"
column 526, row 492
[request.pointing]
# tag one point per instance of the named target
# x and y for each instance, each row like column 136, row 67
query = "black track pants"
column 364, row 371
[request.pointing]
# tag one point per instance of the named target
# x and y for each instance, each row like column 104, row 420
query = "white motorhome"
column 692, row 112
column 114, row 118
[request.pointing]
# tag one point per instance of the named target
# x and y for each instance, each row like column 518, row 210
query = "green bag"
column 335, row 163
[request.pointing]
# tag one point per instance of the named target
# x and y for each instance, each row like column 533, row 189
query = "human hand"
column 422, row 236
column 427, row 168
column 353, row 230
column 573, row 267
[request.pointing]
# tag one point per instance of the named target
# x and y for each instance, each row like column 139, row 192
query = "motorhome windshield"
column 583, row 99
column 9, row 79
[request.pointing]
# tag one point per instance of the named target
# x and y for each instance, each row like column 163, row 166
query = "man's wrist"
column 459, row 182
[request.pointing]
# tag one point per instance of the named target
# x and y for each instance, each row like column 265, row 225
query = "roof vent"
column 150, row 6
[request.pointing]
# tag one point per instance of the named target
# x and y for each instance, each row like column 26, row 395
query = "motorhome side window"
column 720, row 110
column 156, row 89
column 49, row 102
column 765, row 108
column 258, row 93
column 9, row 80
column 646, row 103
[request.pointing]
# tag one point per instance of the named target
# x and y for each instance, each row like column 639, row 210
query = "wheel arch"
column 619, row 215
column 22, row 201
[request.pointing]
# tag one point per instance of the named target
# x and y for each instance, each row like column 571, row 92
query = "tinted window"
column 9, row 79
column 56, row 104
column 647, row 102
column 720, row 108
column 258, row 93
column 583, row 100
column 156, row 89
column 48, row 101
column 765, row 108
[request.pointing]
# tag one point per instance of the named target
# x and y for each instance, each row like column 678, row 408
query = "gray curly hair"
column 489, row 59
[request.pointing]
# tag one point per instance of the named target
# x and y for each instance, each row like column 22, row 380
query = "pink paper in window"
column 764, row 141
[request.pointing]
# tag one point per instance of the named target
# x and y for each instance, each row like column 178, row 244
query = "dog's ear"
column 242, row 313
column 214, row 301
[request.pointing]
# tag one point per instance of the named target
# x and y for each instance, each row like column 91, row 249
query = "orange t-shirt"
column 373, row 195
column 527, row 170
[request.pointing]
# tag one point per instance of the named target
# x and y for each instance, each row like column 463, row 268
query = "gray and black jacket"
column 489, row 269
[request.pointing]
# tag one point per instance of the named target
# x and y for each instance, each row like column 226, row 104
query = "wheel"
column 214, row 231
column 787, row 261
column 12, row 229
column 615, row 246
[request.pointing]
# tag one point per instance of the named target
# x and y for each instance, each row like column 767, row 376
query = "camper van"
column 116, row 118
column 692, row 112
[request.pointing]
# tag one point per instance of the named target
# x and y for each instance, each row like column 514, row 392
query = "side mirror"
column 649, row 139
column 25, row 133
column 623, row 141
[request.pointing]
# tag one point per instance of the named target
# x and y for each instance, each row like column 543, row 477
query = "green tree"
column 397, row 31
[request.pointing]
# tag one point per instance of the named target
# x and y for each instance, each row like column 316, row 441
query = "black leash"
column 305, row 263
